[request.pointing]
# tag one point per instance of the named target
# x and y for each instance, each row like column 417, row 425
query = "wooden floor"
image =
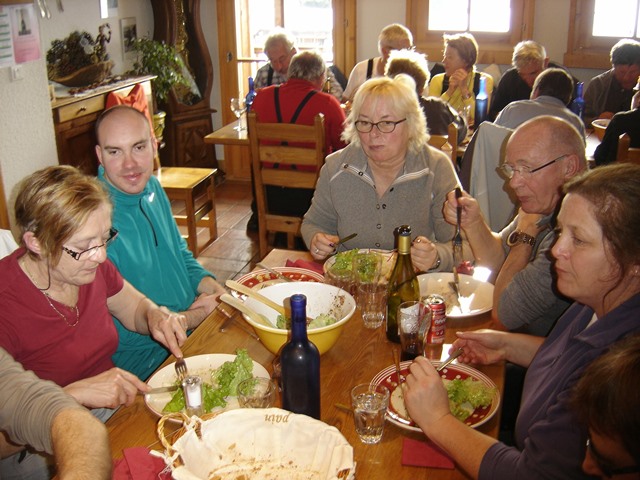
column 235, row 251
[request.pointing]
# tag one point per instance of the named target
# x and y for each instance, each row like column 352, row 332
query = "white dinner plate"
column 200, row 365
column 476, row 296
column 397, row 412
column 388, row 259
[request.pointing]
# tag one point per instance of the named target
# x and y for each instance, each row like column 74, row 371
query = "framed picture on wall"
column 108, row 8
column 129, row 34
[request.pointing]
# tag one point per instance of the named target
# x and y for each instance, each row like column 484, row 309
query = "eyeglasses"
column 605, row 465
column 91, row 252
column 525, row 172
column 385, row 126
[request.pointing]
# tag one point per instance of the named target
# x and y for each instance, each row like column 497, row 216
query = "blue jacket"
column 151, row 255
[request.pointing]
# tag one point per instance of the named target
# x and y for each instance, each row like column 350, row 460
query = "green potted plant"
column 162, row 60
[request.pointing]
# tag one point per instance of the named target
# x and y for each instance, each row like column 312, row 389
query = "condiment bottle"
column 192, row 388
column 300, row 365
column 248, row 99
column 403, row 284
column 577, row 106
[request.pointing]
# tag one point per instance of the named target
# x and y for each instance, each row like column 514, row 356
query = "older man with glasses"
column 541, row 155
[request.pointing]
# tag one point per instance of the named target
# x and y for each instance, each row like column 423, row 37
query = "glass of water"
column 369, row 403
column 238, row 107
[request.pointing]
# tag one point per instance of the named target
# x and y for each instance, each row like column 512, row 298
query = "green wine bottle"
column 403, row 284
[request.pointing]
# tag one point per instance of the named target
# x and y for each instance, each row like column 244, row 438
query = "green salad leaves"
column 224, row 382
column 467, row 395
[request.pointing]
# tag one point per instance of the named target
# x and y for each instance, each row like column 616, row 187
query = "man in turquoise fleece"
column 149, row 251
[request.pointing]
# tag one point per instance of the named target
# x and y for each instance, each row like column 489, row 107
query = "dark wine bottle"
column 403, row 284
column 300, row 365
column 577, row 106
column 248, row 99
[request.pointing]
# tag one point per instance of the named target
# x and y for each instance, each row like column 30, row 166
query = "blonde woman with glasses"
column 387, row 176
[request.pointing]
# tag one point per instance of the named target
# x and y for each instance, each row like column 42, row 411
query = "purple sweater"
column 551, row 443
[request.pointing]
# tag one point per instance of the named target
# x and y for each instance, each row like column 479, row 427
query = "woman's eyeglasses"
column 384, row 126
column 91, row 252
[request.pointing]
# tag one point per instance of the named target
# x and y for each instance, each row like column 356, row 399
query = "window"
column 497, row 25
column 597, row 27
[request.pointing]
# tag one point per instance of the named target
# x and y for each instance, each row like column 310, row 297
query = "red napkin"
column 316, row 267
column 138, row 464
column 424, row 454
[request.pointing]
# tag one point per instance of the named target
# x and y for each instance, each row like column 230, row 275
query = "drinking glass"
column 238, row 107
column 257, row 393
column 372, row 301
column 414, row 319
column 369, row 404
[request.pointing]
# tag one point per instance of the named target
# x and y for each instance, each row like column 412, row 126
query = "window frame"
column 583, row 49
column 494, row 47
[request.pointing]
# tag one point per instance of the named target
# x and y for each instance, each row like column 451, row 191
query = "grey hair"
column 527, row 52
column 308, row 65
column 279, row 36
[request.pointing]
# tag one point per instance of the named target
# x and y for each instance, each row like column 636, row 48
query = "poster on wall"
column 19, row 35
column 128, row 30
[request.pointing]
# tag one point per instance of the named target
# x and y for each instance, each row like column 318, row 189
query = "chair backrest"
column 297, row 152
column 625, row 152
column 447, row 143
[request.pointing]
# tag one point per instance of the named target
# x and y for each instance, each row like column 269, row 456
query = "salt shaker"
column 192, row 388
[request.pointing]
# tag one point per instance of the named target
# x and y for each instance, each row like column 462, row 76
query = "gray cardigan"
column 345, row 201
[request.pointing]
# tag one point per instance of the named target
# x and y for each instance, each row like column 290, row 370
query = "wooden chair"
column 273, row 143
column 447, row 143
column 626, row 153
column 194, row 187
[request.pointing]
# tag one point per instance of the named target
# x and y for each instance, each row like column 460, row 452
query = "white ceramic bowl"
column 321, row 299
column 476, row 296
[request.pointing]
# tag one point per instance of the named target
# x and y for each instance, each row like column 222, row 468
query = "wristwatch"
column 517, row 237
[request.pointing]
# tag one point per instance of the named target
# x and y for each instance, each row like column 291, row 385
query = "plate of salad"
column 473, row 398
column 343, row 261
column 220, row 373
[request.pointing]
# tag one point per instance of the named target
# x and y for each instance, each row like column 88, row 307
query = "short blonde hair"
column 412, row 63
column 53, row 203
column 393, row 36
column 400, row 92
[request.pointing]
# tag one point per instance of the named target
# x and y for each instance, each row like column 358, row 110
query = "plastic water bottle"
column 248, row 99
column 482, row 103
column 300, row 365
column 577, row 106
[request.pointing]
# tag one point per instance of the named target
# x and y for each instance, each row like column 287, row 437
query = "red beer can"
column 436, row 303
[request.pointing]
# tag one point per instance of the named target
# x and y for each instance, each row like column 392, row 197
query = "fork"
column 457, row 240
column 181, row 369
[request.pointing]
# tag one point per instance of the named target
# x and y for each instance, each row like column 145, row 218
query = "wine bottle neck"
column 404, row 245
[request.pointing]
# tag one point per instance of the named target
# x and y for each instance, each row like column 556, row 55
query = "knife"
column 274, row 272
column 153, row 391
column 345, row 239
column 457, row 242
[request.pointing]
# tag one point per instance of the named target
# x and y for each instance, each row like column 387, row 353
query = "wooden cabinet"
column 74, row 119
column 177, row 22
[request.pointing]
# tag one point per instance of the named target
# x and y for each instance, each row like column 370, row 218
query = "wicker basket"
column 86, row 75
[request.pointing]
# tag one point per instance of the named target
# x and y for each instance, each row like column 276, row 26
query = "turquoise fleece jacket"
column 151, row 255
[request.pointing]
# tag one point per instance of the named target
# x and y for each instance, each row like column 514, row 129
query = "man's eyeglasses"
column 385, row 126
column 91, row 252
column 525, row 172
column 605, row 466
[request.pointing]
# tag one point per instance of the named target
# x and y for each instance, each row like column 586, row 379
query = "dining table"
column 358, row 355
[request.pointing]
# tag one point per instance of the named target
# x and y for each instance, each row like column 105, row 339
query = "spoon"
column 238, row 305
column 250, row 292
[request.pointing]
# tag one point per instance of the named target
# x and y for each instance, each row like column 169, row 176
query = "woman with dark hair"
column 597, row 263
column 606, row 399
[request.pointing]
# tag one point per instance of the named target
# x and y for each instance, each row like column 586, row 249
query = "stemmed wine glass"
column 238, row 107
